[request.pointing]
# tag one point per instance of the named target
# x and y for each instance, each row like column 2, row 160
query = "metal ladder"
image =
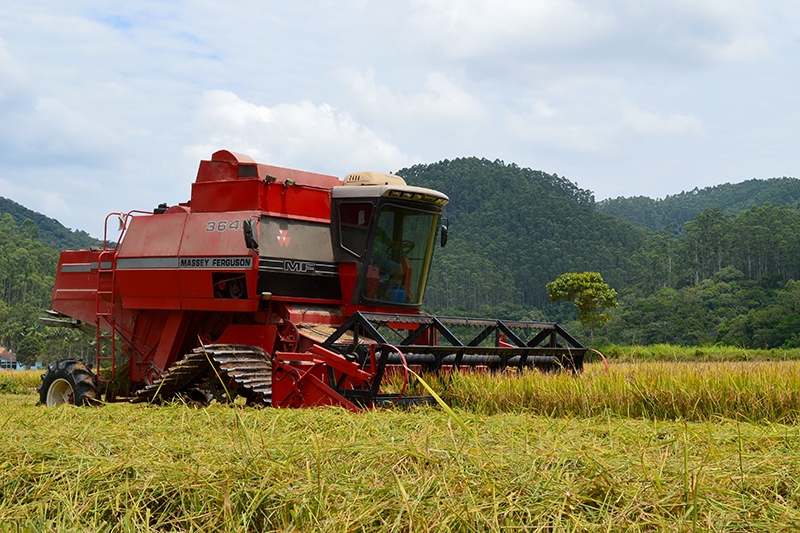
column 105, row 309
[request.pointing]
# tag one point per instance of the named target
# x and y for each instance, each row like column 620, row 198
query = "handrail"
column 123, row 218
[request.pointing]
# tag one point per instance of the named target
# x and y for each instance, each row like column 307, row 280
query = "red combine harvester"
column 280, row 286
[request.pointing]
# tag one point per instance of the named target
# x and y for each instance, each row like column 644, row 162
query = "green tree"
column 29, row 350
column 590, row 295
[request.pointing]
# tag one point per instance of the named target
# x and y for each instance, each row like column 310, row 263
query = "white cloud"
column 465, row 28
column 542, row 109
column 42, row 130
column 592, row 117
column 750, row 47
column 534, row 130
column 12, row 76
column 503, row 35
column 440, row 101
column 47, row 132
column 646, row 122
column 55, row 205
column 301, row 135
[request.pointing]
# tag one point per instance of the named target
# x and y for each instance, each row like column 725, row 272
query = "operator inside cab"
column 401, row 252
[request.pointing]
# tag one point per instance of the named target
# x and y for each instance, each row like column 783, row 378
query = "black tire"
column 68, row 381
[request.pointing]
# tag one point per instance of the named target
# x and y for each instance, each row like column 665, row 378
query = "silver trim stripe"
column 77, row 267
column 84, row 267
column 133, row 263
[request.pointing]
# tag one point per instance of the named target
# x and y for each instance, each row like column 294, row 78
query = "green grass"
column 174, row 468
column 670, row 352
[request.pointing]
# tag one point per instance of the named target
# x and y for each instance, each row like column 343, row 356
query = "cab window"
column 400, row 255
column 354, row 220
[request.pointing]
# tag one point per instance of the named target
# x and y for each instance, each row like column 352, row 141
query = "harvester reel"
column 68, row 381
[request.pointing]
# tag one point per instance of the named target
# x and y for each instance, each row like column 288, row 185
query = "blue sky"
column 109, row 106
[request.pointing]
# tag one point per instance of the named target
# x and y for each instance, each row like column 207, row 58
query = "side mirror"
column 445, row 229
column 249, row 240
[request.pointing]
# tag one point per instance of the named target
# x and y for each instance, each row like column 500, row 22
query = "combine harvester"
column 287, row 288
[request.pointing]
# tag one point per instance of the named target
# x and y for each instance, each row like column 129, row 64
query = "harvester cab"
column 287, row 288
column 387, row 230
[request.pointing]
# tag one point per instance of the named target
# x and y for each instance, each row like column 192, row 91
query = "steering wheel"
column 402, row 246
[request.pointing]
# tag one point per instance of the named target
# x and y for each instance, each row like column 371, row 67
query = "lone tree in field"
column 29, row 350
column 590, row 294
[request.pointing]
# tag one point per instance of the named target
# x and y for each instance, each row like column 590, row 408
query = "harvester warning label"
column 216, row 262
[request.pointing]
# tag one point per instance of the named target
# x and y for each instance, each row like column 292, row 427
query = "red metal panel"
column 171, row 339
column 215, row 234
column 157, row 286
column 302, row 385
column 216, row 196
column 300, row 177
column 347, row 279
column 252, row 335
column 217, row 171
column 220, row 304
column 151, row 302
column 150, row 242
column 231, row 157
column 224, row 166
column 153, row 236
column 318, row 314
column 75, row 289
column 305, row 203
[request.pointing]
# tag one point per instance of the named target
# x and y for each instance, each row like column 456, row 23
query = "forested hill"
column 50, row 230
column 513, row 230
column 677, row 209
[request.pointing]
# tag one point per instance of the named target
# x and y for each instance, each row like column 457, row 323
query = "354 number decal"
column 223, row 225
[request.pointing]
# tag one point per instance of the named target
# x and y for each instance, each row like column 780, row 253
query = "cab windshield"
column 401, row 255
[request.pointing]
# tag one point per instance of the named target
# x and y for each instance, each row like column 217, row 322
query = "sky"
column 110, row 106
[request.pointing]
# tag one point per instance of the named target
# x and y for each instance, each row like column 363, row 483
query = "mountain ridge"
column 673, row 211
column 51, row 231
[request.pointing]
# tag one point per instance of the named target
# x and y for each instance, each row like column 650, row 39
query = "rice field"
column 653, row 446
column 757, row 392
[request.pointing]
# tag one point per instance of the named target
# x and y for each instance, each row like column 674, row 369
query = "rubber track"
column 249, row 367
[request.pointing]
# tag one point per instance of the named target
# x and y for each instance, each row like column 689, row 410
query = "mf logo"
column 301, row 267
column 283, row 238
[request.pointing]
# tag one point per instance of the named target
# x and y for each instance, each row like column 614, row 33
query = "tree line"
column 27, row 274
column 673, row 211
column 50, row 230
column 728, row 279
